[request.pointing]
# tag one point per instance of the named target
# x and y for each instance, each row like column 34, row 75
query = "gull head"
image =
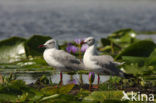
column 50, row 44
column 90, row 41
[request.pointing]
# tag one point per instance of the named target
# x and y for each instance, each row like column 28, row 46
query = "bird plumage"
column 101, row 64
column 60, row 59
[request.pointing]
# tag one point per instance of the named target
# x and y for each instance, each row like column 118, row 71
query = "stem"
column 81, row 80
column 90, row 86
column 79, row 46
column 112, row 47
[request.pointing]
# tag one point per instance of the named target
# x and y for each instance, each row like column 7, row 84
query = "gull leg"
column 61, row 77
column 98, row 82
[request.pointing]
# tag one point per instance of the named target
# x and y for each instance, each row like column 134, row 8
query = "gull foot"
column 95, row 86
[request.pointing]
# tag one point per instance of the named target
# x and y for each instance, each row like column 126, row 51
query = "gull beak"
column 41, row 46
column 83, row 42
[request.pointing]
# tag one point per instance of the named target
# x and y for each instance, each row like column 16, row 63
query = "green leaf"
column 10, row 50
column 101, row 96
column 22, row 97
column 123, row 37
column 67, row 88
column 132, row 59
column 49, row 97
column 142, row 48
column 7, row 98
column 31, row 45
column 51, row 90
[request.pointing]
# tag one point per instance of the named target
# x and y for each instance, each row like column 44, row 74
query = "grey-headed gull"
column 59, row 59
column 101, row 64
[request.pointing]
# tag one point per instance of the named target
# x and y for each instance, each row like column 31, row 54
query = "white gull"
column 59, row 59
column 101, row 64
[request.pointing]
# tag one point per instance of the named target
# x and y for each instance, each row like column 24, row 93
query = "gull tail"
column 118, row 63
column 125, row 75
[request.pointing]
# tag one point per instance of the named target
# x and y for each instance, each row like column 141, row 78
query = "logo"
column 137, row 97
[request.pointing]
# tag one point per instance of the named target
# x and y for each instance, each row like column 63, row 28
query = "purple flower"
column 78, row 41
column 74, row 49
column 84, row 47
column 91, row 77
column 71, row 48
column 68, row 48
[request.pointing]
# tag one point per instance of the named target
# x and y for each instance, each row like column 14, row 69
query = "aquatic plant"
column 71, row 48
column 78, row 47
column 91, row 79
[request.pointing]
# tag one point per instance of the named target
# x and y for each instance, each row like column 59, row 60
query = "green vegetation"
column 32, row 44
column 139, row 57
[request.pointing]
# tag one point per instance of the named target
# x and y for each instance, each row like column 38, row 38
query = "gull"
column 101, row 64
column 59, row 59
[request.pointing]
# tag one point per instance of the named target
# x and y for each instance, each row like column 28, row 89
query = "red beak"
column 41, row 46
column 82, row 42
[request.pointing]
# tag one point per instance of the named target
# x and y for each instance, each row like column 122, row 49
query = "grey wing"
column 108, row 65
column 68, row 60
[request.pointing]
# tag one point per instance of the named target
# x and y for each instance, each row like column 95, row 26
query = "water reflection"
column 55, row 77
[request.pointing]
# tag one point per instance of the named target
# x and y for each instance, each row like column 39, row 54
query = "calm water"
column 55, row 77
column 68, row 19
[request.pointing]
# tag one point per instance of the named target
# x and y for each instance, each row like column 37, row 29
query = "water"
column 144, row 36
column 69, row 19
column 55, row 77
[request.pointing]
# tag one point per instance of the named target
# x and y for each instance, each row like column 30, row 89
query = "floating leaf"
column 67, row 88
column 12, row 50
column 101, row 96
column 49, row 97
column 132, row 59
column 142, row 48
column 22, row 97
column 31, row 45
column 124, row 37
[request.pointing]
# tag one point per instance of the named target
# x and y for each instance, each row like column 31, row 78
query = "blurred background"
column 70, row 19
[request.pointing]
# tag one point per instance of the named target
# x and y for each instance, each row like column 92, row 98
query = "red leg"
column 98, row 82
column 61, row 77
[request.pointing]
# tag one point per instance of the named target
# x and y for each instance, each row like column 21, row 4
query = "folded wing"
column 69, row 61
column 108, row 65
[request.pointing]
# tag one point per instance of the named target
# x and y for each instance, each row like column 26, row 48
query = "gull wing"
column 108, row 65
column 69, row 61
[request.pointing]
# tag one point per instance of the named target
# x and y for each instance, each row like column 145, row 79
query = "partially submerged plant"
column 91, row 79
column 77, row 48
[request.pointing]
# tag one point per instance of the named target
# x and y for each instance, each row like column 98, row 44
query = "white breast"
column 87, row 59
column 48, row 56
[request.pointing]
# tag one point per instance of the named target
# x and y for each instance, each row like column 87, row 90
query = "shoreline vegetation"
column 20, row 55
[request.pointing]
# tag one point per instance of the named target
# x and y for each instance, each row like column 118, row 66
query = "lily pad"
column 31, row 45
column 124, row 37
column 108, row 45
column 53, row 90
column 152, row 59
column 101, row 96
column 141, row 48
column 12, row 50
column 132, row 59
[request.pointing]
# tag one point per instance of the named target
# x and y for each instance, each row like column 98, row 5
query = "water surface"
column 55, row 77
column 69, row 19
